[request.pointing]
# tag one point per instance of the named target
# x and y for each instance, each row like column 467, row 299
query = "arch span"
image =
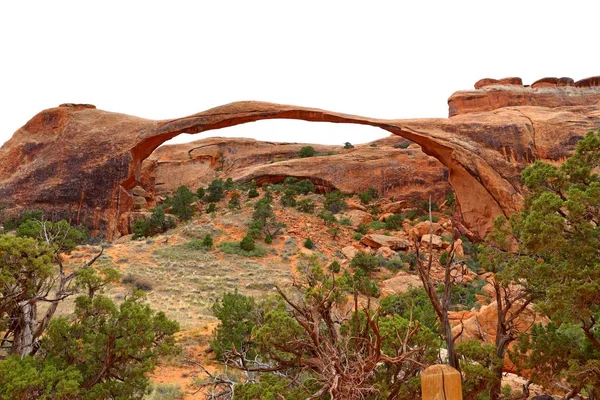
column 481, row 191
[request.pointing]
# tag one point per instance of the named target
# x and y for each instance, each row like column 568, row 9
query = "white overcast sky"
column 389, row 59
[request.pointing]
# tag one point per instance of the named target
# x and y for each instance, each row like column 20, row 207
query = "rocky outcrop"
column 82, row 163
column 395, row 172
column 492, row 94
column 376, row 241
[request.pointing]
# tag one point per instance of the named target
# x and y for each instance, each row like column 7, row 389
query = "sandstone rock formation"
column 395, row 172
column 80, row 163
column 376, row 241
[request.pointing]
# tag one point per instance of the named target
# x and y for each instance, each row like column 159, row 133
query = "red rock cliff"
column 82, row 163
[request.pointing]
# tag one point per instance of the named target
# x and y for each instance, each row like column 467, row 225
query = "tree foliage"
column 182, row 203
column 556, row 263
column 103, row 351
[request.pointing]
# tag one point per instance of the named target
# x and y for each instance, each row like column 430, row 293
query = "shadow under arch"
column 471, row 176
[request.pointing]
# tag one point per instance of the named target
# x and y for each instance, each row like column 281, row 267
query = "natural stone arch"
column 470, row 175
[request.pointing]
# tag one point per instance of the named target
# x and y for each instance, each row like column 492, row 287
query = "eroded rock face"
column 492, row 94
column 81, row 163
column 399, row 173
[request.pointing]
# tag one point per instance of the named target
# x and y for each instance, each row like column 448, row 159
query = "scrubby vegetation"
column 343, row 320
column 81, row 356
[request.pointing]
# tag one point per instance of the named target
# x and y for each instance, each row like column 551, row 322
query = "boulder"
column 425, row 227
column 385, row 252
column 376, row 241
column 401, row 283
column 358, row 217
column 140, row 192
column 349, row 252
column 435, row 240
column 355, row 205
column 393, row 208
column 139, row 203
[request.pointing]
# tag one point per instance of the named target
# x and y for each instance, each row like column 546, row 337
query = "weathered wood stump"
column 441, row 382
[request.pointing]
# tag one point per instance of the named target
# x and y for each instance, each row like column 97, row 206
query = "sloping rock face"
column 81, row 163
column 396, row 172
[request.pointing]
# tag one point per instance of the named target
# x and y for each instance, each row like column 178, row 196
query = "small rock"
column 358, row 217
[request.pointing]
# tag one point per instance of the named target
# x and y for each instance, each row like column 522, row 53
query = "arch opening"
column 465, row 166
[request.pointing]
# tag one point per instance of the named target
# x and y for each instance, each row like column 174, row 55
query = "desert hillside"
column 231, row 268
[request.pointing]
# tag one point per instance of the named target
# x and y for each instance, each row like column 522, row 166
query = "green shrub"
column 345, row 221
column 357, row 236
column 363, row 229
column 327, row 217
column 289, row 198
column 359, row 282
column 410, row 214
column 167, row 392
column 137, row 282
column 215, row 191
column 373, row 145
column 304, row 186
column 394, row 222
column 335, row 202
column 212, row 207
column 200, row 193
column 252, row 193
column 373, row 209
column 307, row 151
column 157, row 223
column 234, row 248
column 234, row 202
column 334, row 267
column 450, row 199
column 141, row 228
column 377, row 225
column 182, row 207
column 443, row 258
column 403, row 145
column 368, row 195
column 308, row 243
column 247, row 243
column 207, row 242
column 268, row 239
column 348, row 145
column 410, row 258
column 393, row 264
column 367, row 262
column 237, row 317
column 463, row 296
column 306, row 206
column 412, row 305
column 426, row 218
column 228, row 185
